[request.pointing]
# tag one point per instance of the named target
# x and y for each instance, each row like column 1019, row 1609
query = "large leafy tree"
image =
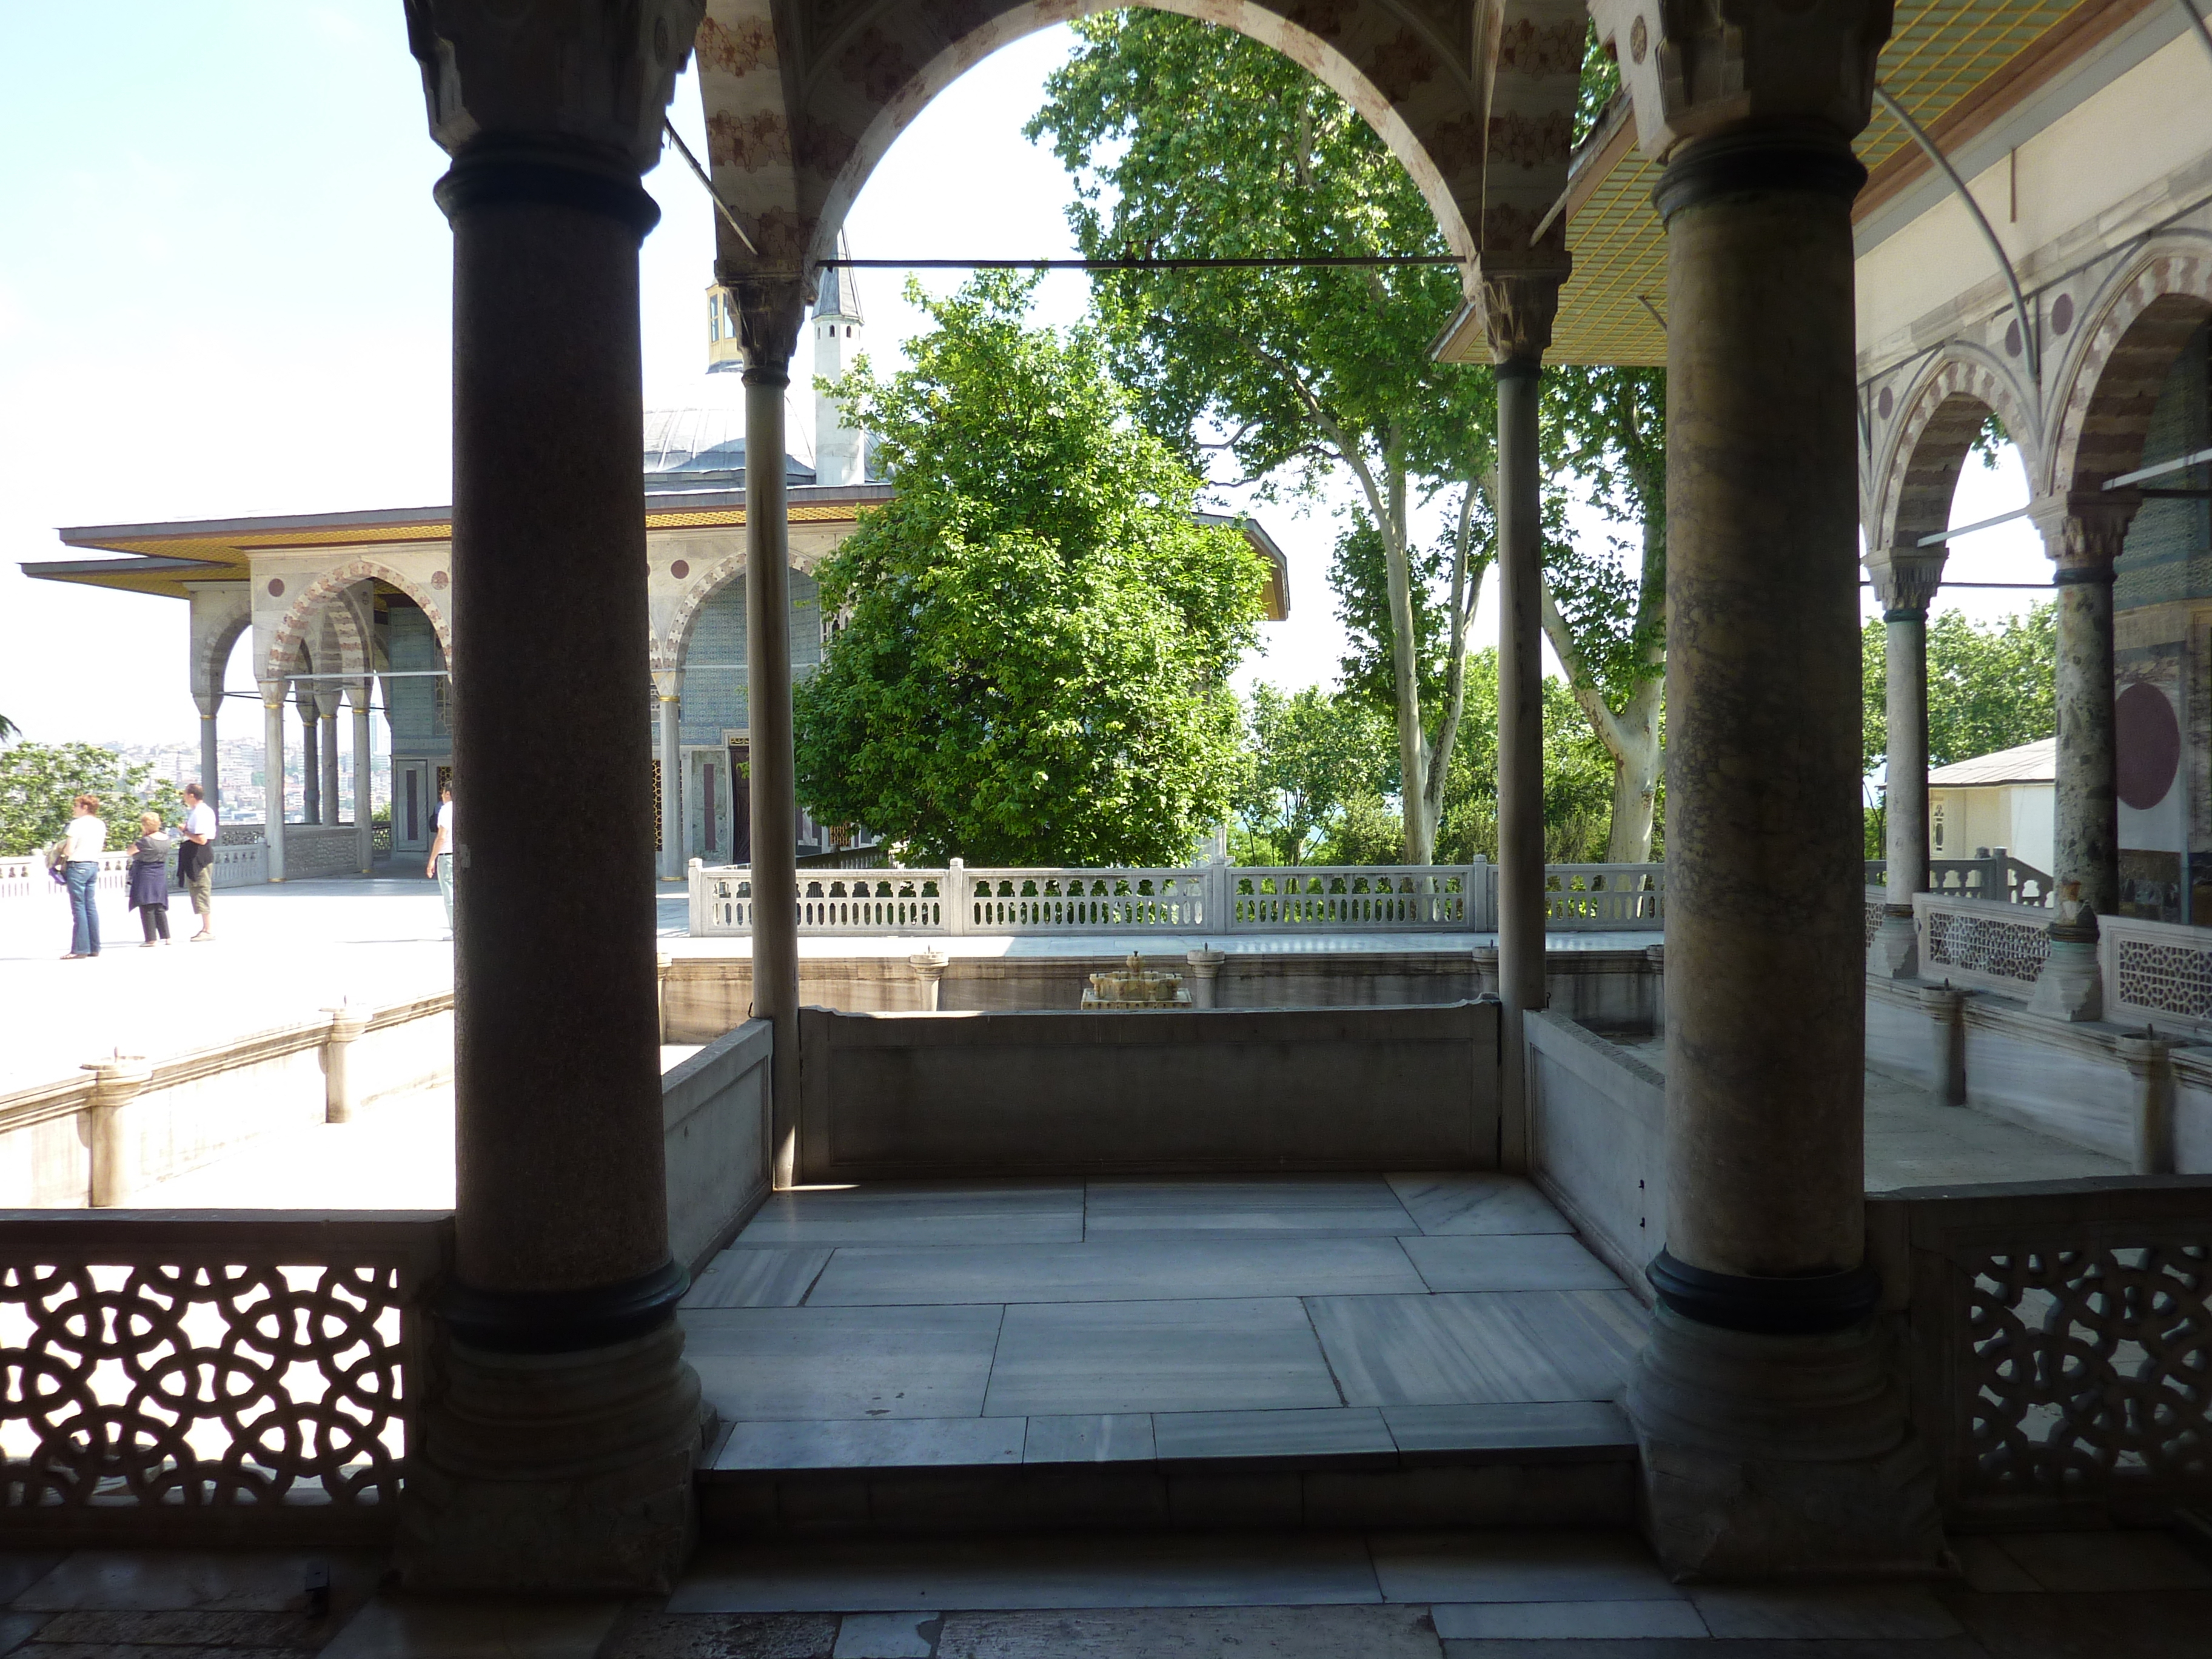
column 1989, row 685
column 1190, row 140
column 38, row 783
column 1037, row 634
column 1315, row 756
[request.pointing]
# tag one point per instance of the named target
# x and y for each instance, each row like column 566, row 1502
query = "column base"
column 1894, row 951
column 1772, row 1457
column 567, row 1473
column 2071, row 986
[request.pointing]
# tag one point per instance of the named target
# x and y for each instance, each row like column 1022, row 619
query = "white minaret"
column 840, row 451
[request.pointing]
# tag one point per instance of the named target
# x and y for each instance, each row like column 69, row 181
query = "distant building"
column 2004, row 800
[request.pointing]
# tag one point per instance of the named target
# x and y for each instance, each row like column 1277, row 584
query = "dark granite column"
column 558, row 1456
column 1905, row 581
column 1774, row 1440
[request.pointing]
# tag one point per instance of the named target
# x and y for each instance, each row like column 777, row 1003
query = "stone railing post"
column 929, row 974
column 340, row 1087
column 1482, row 896
column 1656, row 956
column 2149, row 1061
column 1217, row 902
column 1205, row 974
column 115, row 1082
column 1947, row 1023
column 960, row 913
column 1485, row 970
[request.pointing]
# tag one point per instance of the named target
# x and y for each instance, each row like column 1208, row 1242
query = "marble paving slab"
column 922, row 1214
column 1117, row 1270
column 1089, row 1437
column 1518, row 1566
column 1447, row 1349
column 1334, row 1431
column 765, row 1278
column 1474, row 1202
column 878, row 1442
column 1508, row 1261
column 797, row 1363
column 1517, row 1426
column 1258, row 1353
column 1321, row 1207
column 1132, row 1570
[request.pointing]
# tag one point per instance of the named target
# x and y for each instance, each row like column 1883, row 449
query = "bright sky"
column 224, row 290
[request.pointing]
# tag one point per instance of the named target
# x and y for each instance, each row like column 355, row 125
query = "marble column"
column 769, row 317
column 311, row 754
column 364, row 777
column 211, row 754
column 2083, row 532
column 557, row 1455
column 1519, row 308
column 668, row 688
column 328, row 698
column 1774, row 1439
column 1905, row 581
column 272, row 770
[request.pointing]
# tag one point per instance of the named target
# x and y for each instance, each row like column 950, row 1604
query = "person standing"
column 82, row 842
column 196, row 858
column 150, row 880
column 440, row 862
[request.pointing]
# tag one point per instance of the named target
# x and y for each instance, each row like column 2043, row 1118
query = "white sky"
column 224, row 290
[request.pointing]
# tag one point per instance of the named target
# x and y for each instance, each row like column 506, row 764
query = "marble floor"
column 1019, row 1322
column 1559, row 1594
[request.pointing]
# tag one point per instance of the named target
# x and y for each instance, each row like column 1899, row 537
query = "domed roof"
column 704, row 438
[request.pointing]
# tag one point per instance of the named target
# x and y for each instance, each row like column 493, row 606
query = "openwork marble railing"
column 1211, row 898
column 1978, row 945
column 2059, row 1355
column 1999, row 877
column 2159, row 973
column 168, row 1376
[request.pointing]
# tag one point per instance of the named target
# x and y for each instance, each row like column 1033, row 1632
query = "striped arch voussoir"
column 1945, row 412
column 302, row 615
column 2121, row 364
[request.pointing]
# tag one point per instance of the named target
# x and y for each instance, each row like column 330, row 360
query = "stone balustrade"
column 24, row 877
column 1997, row 876
column 1211, row 898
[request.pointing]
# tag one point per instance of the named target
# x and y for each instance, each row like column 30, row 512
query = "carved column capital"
column 1518, row 309
column 1907, row 578
column 575, row 72
column 771, row 310
column 668, row 684
column 1695, row 68
column 272, row 692
column 2084, row 531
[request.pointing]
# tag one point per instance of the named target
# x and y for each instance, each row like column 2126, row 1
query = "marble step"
column 1568, row 1463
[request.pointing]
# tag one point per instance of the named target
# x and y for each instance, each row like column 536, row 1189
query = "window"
column 1936, row 823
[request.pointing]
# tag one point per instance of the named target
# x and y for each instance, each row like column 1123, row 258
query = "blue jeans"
column 446, row 886
column 83, row 876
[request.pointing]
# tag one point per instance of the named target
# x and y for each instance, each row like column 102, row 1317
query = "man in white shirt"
column 196, row 858
column 440, row 862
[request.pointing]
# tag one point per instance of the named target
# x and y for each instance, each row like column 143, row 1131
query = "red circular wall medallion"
column 2062, row 314
column 2148, row 739
column 679, row 570
column 276, row 587
column 438, row 579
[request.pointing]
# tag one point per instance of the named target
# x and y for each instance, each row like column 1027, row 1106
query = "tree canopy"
column 1989, row 685
column 1316, row 758
column 39, row 782
column 1036, row 632
column 1189, row 141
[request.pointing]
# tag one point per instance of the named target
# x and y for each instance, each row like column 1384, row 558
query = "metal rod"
column 377, row 674
column 1969, row 529
column 1255, row 264
column 1645, row 302
column 2044, row 585
column 2196, row 23
column 715, row 196
column 2028, row 342
column 2158, row 469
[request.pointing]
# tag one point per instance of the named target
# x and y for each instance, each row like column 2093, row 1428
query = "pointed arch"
column 2120, row 365
column 1944, row 413
column 292, row 632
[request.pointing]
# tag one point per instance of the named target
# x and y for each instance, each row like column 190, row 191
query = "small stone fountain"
column 1136, row 986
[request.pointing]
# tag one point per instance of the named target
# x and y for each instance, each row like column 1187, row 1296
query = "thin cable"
column 1255, row 263
column 2196, row 23
column 713, row 195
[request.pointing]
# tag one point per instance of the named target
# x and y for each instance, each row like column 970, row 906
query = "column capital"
column 1696, row 71
column 2085, row 529
column 209, row 703
column 359, row 693
column 668, row 684
column 273, row 692
column 574, row 74
column 1518, row 309
column 771, row 310
column 1907, row 578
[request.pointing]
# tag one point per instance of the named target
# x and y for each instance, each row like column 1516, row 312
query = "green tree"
column 1189, row 141
column 1034, row 663
column 1313, row 754
column 1990, row 686
column 1577, row 777
column 38, row 783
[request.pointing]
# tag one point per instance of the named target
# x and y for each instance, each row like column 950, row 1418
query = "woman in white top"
column 82, row 842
